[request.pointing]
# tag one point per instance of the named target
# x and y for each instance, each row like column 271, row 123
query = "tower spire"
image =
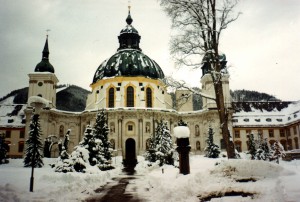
column 46, row 49
column 129, row 19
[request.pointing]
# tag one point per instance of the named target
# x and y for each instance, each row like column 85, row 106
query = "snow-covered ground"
column 266, row 181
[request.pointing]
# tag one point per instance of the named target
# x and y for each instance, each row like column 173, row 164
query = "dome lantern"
column 129, row 36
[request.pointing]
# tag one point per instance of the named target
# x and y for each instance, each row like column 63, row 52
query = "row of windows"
column 20, row 146
column 8, row 134
column 282, row 132
column 129, row 97
column 286, row 144
column 147, row 128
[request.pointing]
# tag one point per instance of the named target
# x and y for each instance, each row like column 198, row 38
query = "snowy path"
column 122, row 188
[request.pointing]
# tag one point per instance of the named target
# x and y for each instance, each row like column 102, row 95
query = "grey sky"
column 262, row 46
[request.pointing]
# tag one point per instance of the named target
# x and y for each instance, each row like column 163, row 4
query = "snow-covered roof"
column 12, row 115
column 251, row 115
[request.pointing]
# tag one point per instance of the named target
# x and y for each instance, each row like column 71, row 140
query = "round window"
column 40, row 83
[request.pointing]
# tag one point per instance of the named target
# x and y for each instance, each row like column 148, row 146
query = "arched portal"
column 130, row 153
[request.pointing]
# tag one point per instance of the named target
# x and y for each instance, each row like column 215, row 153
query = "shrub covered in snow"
column 277, row 151
column 93, row 150
column 161, row 146
column 251, row 146
column 211, row 150
column 3, row 149
column 103, row 151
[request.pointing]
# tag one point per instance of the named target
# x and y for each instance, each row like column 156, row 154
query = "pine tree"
column 263, row 151
column 3, row 149
column 150, row 153
column 33, row 153
column 278, row 151
column 212, row 150
column 163, row 144
column 104, row 150
column 251, row 146
column 81, row 156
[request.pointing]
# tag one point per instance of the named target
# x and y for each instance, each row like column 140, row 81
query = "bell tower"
column 208, row 85
column 42, row 82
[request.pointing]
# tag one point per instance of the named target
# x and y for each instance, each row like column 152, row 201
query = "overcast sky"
column 262, row 46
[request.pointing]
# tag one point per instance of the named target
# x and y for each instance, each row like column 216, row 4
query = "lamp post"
column 182, row 133
column 37, row 103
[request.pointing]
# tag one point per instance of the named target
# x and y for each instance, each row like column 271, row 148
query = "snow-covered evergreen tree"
column 150, row 153
column 64, row 162
column 103, row 149
column 163, row 144
column 3, row 149
column 34, row 149
column 251, row 146
column 81, row 156
column 278, row 151
column 263, row 151
column 211, row 150
column 160, row 146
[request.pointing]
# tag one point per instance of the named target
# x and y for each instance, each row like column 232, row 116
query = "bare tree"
column 199, row 24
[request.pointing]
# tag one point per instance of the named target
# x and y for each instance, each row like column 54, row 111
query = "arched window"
column 149, row 98
column 198, row 145
column 8, row 143
column 21, row 146
column 271, row 142
column 61, row 131
column 296, row 143
column 238, row 145
column 222, row 143
column 130, row 97
column 283, row 143
column 111, row 97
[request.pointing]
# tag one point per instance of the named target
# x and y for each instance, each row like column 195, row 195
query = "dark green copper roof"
column 129, row 59
column 44, row 65
column 129, row 62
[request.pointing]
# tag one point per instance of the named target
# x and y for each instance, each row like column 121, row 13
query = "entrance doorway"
column 130, row 153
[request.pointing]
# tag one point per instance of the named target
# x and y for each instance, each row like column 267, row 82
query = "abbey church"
column 130, row 87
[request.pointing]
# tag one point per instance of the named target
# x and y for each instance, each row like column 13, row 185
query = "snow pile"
column 50, row 185
column 33, row 100
column 181, row 132
column 249, row 180
column 209, row 178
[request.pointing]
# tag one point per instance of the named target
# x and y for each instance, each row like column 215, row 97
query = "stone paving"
column 122, row 189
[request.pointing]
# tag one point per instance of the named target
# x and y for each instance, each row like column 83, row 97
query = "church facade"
column 129, row 86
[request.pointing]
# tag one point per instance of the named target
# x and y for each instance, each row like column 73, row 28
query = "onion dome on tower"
column 129, row 59
column 207, row 59
column 44, row 65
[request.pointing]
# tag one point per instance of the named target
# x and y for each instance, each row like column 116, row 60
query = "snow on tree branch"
column 173, row 85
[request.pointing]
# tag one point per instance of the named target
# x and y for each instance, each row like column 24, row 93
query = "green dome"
column 128, row 62
column 44, row 66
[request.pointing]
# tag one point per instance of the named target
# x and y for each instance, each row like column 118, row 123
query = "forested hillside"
column 69, row 98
